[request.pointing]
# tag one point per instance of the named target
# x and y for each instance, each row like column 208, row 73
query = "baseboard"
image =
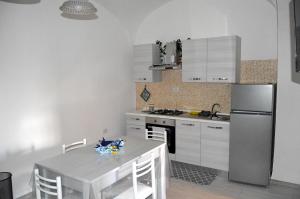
column 26, row 196
column 288, row 184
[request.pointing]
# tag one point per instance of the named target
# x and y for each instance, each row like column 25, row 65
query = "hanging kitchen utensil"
column 145, row 95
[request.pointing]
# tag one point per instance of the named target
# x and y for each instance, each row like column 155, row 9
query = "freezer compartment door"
column 250, row 148
column 252, row 97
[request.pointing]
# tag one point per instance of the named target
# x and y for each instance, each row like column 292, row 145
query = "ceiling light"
column 78, row 7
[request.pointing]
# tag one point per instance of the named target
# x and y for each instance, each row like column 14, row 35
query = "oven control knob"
column 155, row 121
column 164, row 122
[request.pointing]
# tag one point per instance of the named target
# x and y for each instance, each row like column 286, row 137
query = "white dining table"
column 89, row 173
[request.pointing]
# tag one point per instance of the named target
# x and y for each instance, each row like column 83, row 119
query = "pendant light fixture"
column 78, row 8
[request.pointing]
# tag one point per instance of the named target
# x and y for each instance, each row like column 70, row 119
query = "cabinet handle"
column 215, row 127
column 135, row 128
column 196, row 78
column 185, row 124
column 137, row 119
column 220, row 78
column 143, row 78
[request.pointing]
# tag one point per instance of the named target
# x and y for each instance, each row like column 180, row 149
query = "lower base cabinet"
column 203, row 143
column 136, row 131
column 135, row 126
column 188, row 142
column 215, row 146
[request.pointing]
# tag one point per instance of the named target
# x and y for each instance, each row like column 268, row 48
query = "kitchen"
column 59, row 82
column 201, row 137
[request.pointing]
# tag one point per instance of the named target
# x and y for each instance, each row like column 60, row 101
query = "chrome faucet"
column 213, row 112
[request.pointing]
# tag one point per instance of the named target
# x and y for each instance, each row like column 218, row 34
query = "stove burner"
column 167, row 112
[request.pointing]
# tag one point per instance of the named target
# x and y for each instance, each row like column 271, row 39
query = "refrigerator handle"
column 242, row 112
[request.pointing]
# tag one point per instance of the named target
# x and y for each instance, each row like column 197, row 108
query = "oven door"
column 170, row 135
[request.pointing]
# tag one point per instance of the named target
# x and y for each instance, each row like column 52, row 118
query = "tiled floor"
column 221, row 188
column 193, row 173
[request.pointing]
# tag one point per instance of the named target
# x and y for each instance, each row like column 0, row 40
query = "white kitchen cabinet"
column 188, row 142
column 215, row 145
column 223, row 59
column 194, row 60
column 135, row 126
column 214, row 60
column 146, row 55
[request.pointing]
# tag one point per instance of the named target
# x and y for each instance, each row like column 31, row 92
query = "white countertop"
column 185, row 117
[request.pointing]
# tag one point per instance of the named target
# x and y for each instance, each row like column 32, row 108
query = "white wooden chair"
column 156, row 135
column 159, row 136
column 75, row 145
column 47, row 186
column 140, row 168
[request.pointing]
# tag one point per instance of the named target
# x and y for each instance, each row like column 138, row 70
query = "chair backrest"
column 156, row 135
column 75, row 145
column 140, row 168
column 47, row 186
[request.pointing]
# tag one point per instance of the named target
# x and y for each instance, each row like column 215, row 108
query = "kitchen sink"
column 221, row 118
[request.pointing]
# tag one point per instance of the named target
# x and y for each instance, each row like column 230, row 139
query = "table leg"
column 86, row 191
column 163, row 171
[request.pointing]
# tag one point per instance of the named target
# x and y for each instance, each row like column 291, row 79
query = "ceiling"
column 131, row 13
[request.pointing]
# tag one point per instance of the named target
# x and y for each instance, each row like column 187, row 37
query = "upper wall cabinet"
column 223, row 59
column 194, row 60
column 145, row 56
column 215, row 60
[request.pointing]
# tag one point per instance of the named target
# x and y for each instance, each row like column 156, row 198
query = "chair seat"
column 143, row 192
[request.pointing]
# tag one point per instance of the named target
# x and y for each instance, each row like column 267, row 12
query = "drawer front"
column 136, row 131
column 188, row 142
column 136, row 120
column 215, row 132
column 188, row 125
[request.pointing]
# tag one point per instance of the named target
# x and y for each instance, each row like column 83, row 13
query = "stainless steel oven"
column 153, row 123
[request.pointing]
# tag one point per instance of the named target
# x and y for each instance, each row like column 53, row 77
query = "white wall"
column 287, row 143
column 60, row 80
column 253, row 20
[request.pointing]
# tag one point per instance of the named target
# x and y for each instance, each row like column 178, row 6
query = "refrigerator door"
column 250, row 148
column 252, row 97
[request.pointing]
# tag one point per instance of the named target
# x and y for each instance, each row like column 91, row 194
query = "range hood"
column 166, row 67
column 170, row 59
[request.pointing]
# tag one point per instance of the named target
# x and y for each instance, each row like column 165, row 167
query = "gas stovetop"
column 166, row 112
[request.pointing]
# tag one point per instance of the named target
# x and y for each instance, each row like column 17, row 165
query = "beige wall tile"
column 201, row 96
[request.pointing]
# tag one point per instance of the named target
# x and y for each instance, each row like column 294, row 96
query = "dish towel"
column 158, row 129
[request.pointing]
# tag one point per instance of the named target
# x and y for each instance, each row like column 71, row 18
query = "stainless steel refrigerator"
column 252, row 125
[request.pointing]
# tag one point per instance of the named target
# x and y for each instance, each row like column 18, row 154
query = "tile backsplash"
column 173, row 93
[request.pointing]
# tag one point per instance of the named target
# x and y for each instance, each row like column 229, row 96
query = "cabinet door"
column 223, row 59
column 135, row 131
column 215, row 145
column 188, row 142
column 194, row 60
column 135, row 120
column 145, row 56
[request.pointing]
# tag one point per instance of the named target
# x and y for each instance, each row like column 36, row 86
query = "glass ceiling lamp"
column 78, row 8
